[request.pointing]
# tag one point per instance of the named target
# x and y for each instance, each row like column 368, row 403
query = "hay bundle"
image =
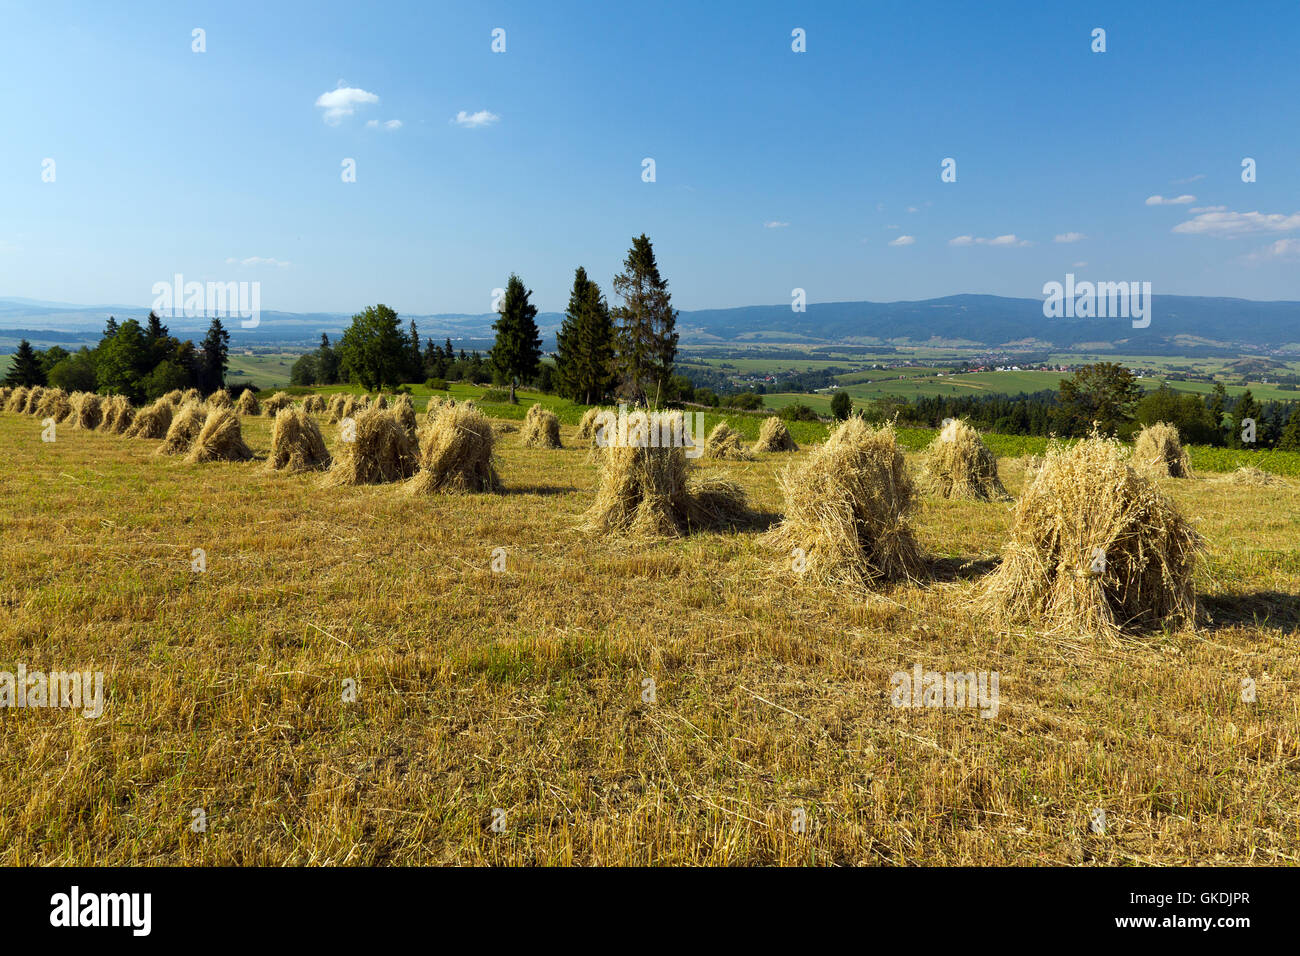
column 381, row 450
column 647, row 488
column 220, row 399
column 33, row 400
column 351, row 407
column 220, row 439
column 1096, row 548
column 54, row 404
column 456, row 454
column 118, row 415
column 437, row 405
column 774, row 436
column 248, row 404
column 541, row 428
column 185, row 426
column 297, row 444
column 958, row 464
column 404, row 409
column 87, row 410
column 724, row 443
column 1032, row 464
column 174, row 397
column 847, row 510
column 4, row 396
column 1251, row 477
column 153, row 421
column 17, row 399
column 313, row 404
column 190, row 395
column 591, row 420
column 334, row 409
column 271, row 407
column 1159, row 451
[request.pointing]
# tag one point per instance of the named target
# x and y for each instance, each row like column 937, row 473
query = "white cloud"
column 1182, row 200
column 1281, row 249
column 474, row 120
column 1230, row 225
column 1196, row 209
column 1007, row 240
column 257, row 261
column 1069, row 237
column 775, row 225
column 343, row 102
column 1190, row 179
column 387, row 124
column 893, row 226
column 1078, row 265
column 903, row 241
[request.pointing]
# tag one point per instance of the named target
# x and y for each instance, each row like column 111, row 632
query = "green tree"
column 163, row 378
column 1290, row 440
column 123, row 362
column 647, row 325
column 214, row 358
column 1184, row 410
column 414, row 361
column 518, row 347
column 585, row 344
column 327, row 362
column 1218, row 406
column 52, row 357
column 156, row 339
column 841, row 406
column 26, row 367
column 1104, row 393
column 1246, row 408
column 305, row 370
column 76, row 373
column 372, row 351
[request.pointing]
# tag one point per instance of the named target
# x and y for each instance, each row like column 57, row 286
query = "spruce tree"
column 213, row 358
column 26, row 368
column 414, row 361
column 1290, row 440
column 518, row 347
column 647, row 325
column 585, row 344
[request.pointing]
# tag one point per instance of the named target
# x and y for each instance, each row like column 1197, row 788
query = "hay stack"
column 404, row 409
column 334, row 409
column 297, row 444
column 87, row 410
column 958, row 464
column 380, row 401
column 456, row 454
column 190, row 395
column 4, row 396
column 187, row 422
column 541, row 428
column 248, row 404
column 724, row 443
column 1096, row 548
column 17, row 399
column 221, row 439
column 649, row 491
column 313, row 404
column 437, row 405
column 382, row 451
column 220, row 399
column 1252, row 477
column 587, row 427
column 1159, row 451
column 271, row 407
column 351, row 407
column 174, row 397
column 848, row 509
column 118, row 415
column 33, row 400
column 54, row 404
column 774, row 436
column 153, row 421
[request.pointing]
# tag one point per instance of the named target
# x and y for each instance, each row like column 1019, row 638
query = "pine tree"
column 518, row 347
column 414, row 361
column 585, row 344
column 26, row 368
column 1290, row 440
column 647, row 325
column 213, row 358
column 1246, row 407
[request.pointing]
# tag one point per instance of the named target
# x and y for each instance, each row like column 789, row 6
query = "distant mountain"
column 1179, row 324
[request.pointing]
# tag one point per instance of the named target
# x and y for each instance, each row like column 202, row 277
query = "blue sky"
column 774, row 169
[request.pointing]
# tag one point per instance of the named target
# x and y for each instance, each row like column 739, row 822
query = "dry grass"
column 724, row 444
column 153, row 421
column 541, row 428
column 1252, row 477
column 404, row 409
column 248, row 404
column 1096, row 548
column 186, row 424
column 382, row 451
column 848, row 510
column 220, row 399
column 271, row 407
column 87, row 410
column 959, row 465
column 523, row 689
column 457, row 454
column 220, row 439
column 1159, row 451
column 774, row 436
column 297, row 444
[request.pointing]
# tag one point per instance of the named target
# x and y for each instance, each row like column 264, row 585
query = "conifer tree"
column 585, row 344
column 518, row 347
column 26, row 368
column 647, row 326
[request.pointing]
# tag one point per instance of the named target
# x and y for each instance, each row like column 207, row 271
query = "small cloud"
column 1230, row 225
column 1070, row 237
column 1007, row 240
column 388, row 124
column 1196, row 209
column 1281, row 249
column 258, row 261
column 903, row 241
column 893, row 226
column 1078, row 265
column 775, row 225
column 475, row 120
column 1190, row 179
column 1183, row 200
column 913, row 209
column 343, row 102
